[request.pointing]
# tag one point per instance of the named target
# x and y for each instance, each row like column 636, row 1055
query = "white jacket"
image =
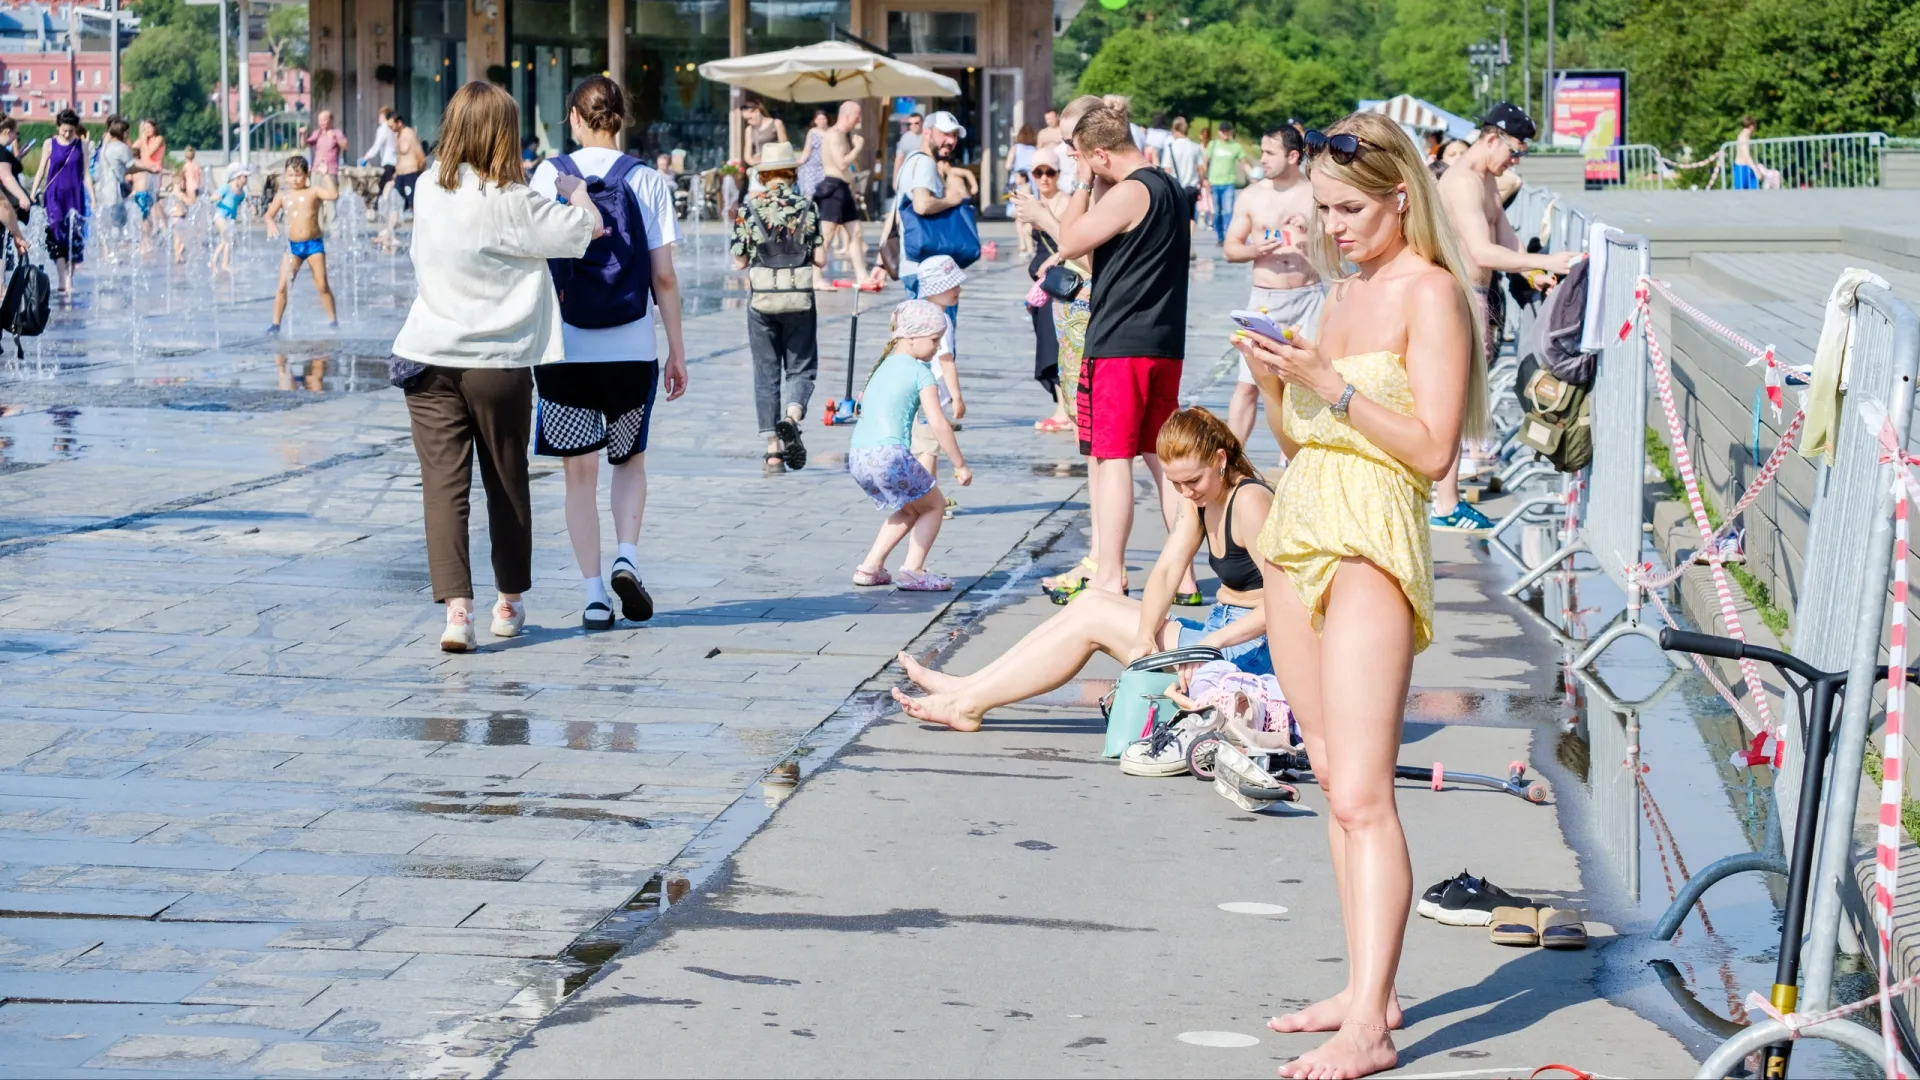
column 484, row 298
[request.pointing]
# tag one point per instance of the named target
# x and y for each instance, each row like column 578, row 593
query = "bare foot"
column 926, row 678
column 938, row 709
column 1357, row 1050
column 1328, row 1015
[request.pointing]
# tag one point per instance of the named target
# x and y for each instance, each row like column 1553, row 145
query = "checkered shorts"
column 569, row 431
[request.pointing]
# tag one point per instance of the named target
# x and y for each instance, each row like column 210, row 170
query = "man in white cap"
column 923, row 188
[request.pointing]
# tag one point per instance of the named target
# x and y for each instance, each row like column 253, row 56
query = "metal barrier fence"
column 1611, row 529
column 1807, row 161
column 1837, row 626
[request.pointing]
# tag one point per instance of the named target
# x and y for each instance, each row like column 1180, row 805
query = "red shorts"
column 1120, row 410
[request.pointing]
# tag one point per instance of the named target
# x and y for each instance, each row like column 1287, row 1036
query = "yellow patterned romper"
column 1342, row 496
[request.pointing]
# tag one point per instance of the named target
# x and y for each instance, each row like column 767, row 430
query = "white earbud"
column 1403, row 202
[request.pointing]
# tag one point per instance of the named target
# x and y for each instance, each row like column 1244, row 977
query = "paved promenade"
column 253, row 822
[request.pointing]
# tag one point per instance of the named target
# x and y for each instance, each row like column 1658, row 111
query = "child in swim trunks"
column 881, row 461
column 301, row 203
column 226, row 214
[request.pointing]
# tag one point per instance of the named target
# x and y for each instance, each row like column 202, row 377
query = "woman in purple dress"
column 61, row 182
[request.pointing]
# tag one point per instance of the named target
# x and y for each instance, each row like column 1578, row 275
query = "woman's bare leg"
column 1298, row 658
column 583, row 511
column 1050, row 655
column 1366, row 651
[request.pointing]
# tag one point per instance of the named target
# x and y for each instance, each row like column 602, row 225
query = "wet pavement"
column 253, row 821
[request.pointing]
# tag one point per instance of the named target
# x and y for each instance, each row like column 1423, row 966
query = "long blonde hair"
column 481, row 128
column 1388, row 160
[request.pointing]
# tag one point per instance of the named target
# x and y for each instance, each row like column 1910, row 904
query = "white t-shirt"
column 920, row 172
column 635, row 340
column 1183, row 161
column 1158, row 139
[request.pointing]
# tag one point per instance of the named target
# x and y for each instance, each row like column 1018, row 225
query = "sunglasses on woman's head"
column 1044, row 171
column 1343, row 147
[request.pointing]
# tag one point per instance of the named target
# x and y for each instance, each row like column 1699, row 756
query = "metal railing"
column 1806, row 161
column 280, row 131
column 1611, row 528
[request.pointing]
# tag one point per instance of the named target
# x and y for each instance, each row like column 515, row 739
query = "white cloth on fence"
column 1546, row 220
column 1592, row 334
column 1830, row 362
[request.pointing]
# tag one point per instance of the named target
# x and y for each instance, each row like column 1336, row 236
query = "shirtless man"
column 1269, row 228
column 840, row 151
column 1469, row 191
column 304, row 242
column 409, row 159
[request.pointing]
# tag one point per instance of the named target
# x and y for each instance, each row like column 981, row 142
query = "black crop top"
column 1236, row 569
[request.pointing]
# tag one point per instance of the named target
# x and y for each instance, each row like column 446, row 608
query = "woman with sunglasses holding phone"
column 1045, row 171
column 1372, row 413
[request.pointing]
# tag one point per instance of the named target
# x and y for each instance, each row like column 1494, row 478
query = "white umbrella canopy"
column 828, row 71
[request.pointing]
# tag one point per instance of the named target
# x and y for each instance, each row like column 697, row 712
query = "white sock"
column 630, row 552
column 596, row 590
column 514, row 606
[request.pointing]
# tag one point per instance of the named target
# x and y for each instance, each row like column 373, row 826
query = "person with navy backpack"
column 602, row 395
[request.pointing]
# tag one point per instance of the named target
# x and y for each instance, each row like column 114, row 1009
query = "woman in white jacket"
column 484, row 314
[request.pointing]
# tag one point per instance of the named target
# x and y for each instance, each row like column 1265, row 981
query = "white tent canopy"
column 1417, row 116
column 828, row 71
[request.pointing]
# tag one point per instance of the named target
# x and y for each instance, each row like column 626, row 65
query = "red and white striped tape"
column 1886, row 869
column 1683, row 462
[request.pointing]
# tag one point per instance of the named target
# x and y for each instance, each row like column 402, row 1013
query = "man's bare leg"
column 1242, row 408
column 1112, row 513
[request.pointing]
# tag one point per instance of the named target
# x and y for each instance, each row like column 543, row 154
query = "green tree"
column 1800, row 67
column 170, row 68
column 1424, row 50
column 287, row 37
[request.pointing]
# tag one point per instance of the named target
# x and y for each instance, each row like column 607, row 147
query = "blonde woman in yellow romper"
column 1372, row 414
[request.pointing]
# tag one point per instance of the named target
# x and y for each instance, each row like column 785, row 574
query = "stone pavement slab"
column 224, row 705
column 1010, row 904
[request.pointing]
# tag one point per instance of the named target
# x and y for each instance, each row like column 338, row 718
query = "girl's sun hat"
column 919, row 318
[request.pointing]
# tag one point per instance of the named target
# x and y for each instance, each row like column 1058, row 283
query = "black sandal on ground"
column 791, row 447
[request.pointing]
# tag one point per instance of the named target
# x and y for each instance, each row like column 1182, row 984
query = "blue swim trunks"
column 143, row 200
column 305, row 248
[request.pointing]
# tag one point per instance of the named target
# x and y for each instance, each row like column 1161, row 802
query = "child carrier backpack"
column 609, row 285
column 29, row 299
column 780, row 270
column 1553, row 339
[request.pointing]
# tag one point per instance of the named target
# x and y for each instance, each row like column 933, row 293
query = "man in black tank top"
column 1137, row 329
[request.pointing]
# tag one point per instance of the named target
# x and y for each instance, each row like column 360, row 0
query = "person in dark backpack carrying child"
column 602, row 395
column 776, row 240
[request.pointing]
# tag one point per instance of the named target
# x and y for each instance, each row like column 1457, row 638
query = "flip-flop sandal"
column 1515, row 926
column 1051, row 425
column 1084, row 569
column 1190, row 599
column 791, row 448
column 1562, row 929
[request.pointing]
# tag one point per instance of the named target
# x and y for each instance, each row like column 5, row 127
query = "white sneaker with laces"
column 1166, row 753
column 458, row 636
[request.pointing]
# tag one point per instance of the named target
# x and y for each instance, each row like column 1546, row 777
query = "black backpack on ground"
column 28, row 304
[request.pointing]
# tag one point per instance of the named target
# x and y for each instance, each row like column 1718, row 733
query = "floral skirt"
column 889, row 475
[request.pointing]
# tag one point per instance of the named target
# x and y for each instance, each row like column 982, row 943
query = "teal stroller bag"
column 1139, row 699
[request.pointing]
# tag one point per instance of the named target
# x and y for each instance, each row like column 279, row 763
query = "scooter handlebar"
column 1727, row 648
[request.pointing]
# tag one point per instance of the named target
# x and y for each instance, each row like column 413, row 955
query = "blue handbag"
column 952, row 232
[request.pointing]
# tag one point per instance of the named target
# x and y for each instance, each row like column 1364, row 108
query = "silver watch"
column 1339, row 408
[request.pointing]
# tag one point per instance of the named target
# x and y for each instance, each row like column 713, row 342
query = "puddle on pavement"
column 1641, row 835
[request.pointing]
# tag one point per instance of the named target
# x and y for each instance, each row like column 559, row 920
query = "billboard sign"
column 1590, row 115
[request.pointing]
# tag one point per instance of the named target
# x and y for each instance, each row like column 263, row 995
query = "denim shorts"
column 1251, row 657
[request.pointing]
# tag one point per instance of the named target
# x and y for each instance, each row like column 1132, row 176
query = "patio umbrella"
column 828, row 71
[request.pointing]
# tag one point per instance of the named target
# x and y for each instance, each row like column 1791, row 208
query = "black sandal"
column 791, row 447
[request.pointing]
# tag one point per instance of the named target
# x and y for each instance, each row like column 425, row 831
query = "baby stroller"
column 1216, row 727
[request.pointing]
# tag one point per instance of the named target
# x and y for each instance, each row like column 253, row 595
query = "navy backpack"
column 609, row 285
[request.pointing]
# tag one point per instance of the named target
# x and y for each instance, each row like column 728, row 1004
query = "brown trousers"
column 452, row 409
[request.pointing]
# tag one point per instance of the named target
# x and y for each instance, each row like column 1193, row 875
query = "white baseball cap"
column 944, row 123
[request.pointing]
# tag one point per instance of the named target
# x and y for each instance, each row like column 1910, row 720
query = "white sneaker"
column 509, row 618
column 1166, row 753
column 458, row 636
